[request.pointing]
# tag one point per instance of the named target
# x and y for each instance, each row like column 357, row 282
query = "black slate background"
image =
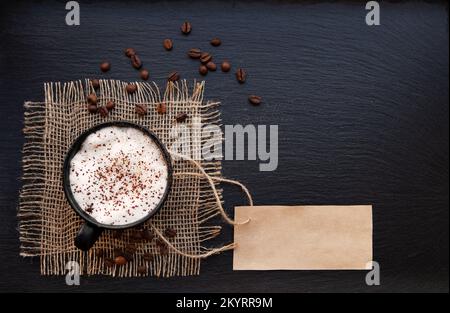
column 362, row 112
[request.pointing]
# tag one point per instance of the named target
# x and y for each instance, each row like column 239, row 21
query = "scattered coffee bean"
column 128, row 256
column 215, row 42
column 92, row 108
column 131, row 88
column 136, row 234
column 159, row 242
column 225, row 66
column 95, row 83
column 173, row 77
column 203, row 70
column 118, row 252
column 103, row 111
column 205, row 57
column 170, row 232
column 109, row 262
column 130, row 248
column 92, row 99
column 117, row 233
column 147, row 235
column 110, row 105
column 136, row 61
column 144, row 74
column 181, row 117
column 211, row 66
column 161, row 108
column 186, row 28
column 148, row 257
column 194, row 53
column 141, row 109
column 241, row 75
column 142, row 269
column 105, row 66
column 120, row 260
column 129, row 52
column 123, row 253
column 163, row 250
column 168, row 44
column 100, row 253
column 255, row 100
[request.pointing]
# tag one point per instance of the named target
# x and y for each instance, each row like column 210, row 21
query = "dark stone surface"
column 362, row 112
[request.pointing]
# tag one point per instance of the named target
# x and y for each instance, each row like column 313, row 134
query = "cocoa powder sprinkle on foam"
column 112, row 180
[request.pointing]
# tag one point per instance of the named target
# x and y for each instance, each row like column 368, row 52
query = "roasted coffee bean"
column 163, row 250
column 135, row 240
column 181, row 117
column 131, row 88
column 109, row 262
column 142, row 269
column 159, row 242
column 117, row 252
column 136, row 234
column 130, row 248
column 241, row 75
column 110, row 105
column 186, row 28
column 128, row 256
column 92, row 99
column 215, row 42
column 147, row 235
column 92, row 108
column 144, row 74
column 129, row 52
column 120, row 260
column 211, row 66
column 225, row 66
column 205, row 57
column 173, row 77
column 95, row 83
column 148, row 257
column 121, row 253
column 105, row 66
column 170, row 232
column 168, row 44
column 195, row 53
column 203, row 70
column 100, row 253
column 103, row 111
column 136, row 61
column 141, row 109
column 117, row 233
column 255, row 100
column 161, row 108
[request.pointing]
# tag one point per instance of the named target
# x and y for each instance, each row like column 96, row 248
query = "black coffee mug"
column 91, row 229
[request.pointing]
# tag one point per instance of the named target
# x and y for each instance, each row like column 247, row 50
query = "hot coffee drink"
column 119, row 175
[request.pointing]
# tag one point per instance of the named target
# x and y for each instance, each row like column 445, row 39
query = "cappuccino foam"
column 119, row 175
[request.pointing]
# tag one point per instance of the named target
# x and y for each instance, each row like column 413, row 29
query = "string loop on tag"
column 210, row 180
column 214, row 189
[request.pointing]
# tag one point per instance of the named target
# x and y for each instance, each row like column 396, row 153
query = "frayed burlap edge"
column 33, row 177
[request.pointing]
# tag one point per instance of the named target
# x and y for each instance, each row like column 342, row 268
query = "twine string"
column 214, row 189
column 210, row 180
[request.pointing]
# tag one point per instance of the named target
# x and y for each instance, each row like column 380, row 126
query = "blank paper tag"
column 303, row 238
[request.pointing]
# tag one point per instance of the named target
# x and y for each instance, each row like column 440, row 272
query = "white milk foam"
column 119, row 175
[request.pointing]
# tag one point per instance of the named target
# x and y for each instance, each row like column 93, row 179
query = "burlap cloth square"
column 47, row 223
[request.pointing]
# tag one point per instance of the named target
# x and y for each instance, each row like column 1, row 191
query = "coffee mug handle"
column 87, row 236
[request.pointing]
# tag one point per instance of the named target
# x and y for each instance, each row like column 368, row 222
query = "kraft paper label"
column 330, row 237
